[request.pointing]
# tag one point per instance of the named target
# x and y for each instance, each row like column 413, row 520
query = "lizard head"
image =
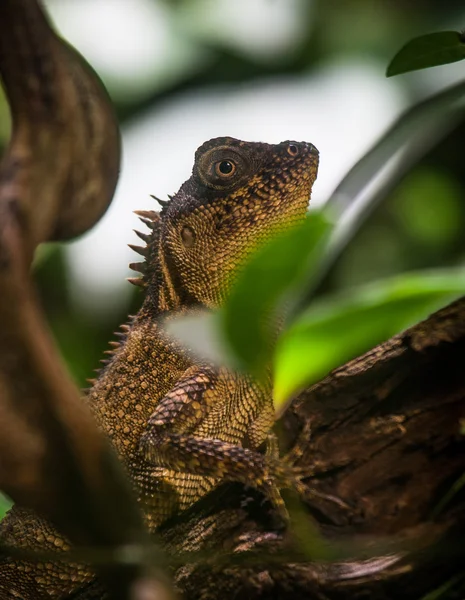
column 238, row 196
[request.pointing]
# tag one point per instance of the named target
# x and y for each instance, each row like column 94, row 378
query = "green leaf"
column 5, row 505
column 249, row 316
column 430, row 50
column 443, row 590
column 453, row 491
column 336, row 329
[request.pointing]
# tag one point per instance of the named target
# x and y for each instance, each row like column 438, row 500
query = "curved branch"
column 56, row 180
column 61, row 167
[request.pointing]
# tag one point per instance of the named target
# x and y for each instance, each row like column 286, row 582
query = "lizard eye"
column 222, row 167
column 225, row 168
column 187, row 236
column 293, row 150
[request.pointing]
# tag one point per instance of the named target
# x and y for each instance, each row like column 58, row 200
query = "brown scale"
column 179, row 426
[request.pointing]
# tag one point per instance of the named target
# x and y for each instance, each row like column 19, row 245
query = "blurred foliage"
column 5, row 124
column 336, row 329
column 255, row 304
column 428, row 206
column 5, row 504
column 431, row 50
column 458, row 485
column 443, row 591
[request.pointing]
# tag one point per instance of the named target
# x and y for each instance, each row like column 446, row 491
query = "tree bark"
column 385, row 438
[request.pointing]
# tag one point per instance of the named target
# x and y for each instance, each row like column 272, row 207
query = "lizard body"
column 181, row 427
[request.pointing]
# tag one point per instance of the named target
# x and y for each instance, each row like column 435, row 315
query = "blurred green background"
column 182, row 71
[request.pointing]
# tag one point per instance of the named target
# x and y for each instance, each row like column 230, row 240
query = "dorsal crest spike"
column 148, row 214
column 160, row 201
column 138, row 281
column 143, row 251
column 140, row 267
column 145, row 237
column 148, row 268
column 150, row 224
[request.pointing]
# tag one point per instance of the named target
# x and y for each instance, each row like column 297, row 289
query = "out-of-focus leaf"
column 428, row 221
column 453, row 491
column 201, row 333
column 5, row 120
column 5, row 505
column 443, row 590
column 249, row 316
column 241, row 335
column 336, row 329
column 376, row 174
column 431, row 50
column 416, row 131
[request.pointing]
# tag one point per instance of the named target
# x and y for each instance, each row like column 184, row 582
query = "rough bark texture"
column 385, row 438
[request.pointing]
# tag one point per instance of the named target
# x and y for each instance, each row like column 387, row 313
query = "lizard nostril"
column 313, row 149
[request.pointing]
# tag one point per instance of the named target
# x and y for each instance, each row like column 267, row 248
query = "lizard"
column 182, row 426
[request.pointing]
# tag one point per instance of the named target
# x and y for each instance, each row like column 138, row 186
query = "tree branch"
column 385, row 438
column 56, row 179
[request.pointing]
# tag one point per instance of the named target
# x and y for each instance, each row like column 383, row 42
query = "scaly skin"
column 182, row 427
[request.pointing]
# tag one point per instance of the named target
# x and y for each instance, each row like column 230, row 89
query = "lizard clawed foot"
column 298, row 449
column 308, row 494
column 281, row 518
column 305, row 492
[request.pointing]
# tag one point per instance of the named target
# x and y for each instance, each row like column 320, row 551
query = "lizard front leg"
column 202, row 425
